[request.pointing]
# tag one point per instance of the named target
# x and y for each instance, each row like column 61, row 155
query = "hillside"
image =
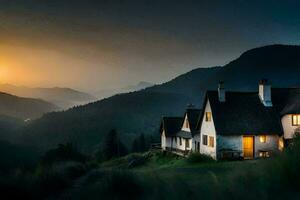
column 141, row 111
column 131, row 88
column 62, row 97
column 24, row 108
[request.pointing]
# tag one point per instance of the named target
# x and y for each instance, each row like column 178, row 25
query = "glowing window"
column 211, row 141
column 208, row 116
column 264, row 154
column 263, row 138
column 296, row 120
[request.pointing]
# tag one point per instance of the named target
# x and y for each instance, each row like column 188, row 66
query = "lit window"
column 211, row 141
column 296, row 120
column 208, row 116
column 263, row 138
column 280, row 144
column 204, row 138
column 264, row 154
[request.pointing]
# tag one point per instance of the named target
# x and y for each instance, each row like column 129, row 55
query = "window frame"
column 297, row 123
column 204, row 139
column 263, row 138
column 208, row 116
column 187, row 143
column 211, row 141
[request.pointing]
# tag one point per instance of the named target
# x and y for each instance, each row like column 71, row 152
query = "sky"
column 93, row 45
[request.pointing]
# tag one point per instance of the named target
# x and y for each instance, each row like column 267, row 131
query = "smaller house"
column 168, row 128
column 180, row 135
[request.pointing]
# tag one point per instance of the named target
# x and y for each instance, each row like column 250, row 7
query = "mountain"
column 62, row 97
column 131, row 88
column 140, row 112
column 24, row 108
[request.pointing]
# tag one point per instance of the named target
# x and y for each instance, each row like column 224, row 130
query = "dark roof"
column 286, row 100
column 184, row 134
column 243, row 113
column 171, row 125
column 193, row 116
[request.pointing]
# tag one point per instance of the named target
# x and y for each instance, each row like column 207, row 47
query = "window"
column 263, row 139
column 264, row 154
column 180, row 141
column 187, row 143
column 211, row 141
column 176, row 140
column 296, row 120
column 186, row 123
column 204, row 138
column 208, row 116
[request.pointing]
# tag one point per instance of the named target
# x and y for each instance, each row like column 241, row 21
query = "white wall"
column 270, row 145
column 208, row 128
column 182, row 146
column 288, row 128
column 236, row 143
column 184, row 125
column 233, row 142
column 165, row 141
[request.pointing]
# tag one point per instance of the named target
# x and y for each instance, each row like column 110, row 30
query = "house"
column 240, row 125
column 180, row 135
column 168, row 128
column 248, row 124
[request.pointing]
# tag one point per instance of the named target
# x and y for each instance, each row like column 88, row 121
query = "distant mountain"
column 24, row 108
column 62, row 97
column 140, row 112
column 131, row 88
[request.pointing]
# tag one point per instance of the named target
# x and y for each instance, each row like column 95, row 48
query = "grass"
column 161, row 176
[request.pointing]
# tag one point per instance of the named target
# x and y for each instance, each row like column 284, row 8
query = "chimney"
column 221, row 92
column 264, row 92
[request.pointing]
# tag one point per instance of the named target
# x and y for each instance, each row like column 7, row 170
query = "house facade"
column 246, row 125
column 180, row 135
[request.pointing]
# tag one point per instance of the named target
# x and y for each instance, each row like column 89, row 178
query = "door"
column 248, row 147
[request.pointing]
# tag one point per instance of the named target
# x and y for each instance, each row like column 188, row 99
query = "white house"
column 248, row 124
column 180, row 135
column 242, row 125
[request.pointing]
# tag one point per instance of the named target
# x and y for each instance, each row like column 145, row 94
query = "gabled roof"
column 286, row 100
column 184, row 134
column 243, row 113
column 171, row 125
column 193, row 116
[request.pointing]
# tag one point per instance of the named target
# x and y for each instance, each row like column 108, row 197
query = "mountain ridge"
column 60, row 96
column 24, row 108
column 140, row 112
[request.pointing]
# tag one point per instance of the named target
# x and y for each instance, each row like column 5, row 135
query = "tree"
column 142, row 142
column 64, row 152
column 139, row 144
column 112, row 146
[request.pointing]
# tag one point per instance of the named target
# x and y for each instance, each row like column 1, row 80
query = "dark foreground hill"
column 140, row 112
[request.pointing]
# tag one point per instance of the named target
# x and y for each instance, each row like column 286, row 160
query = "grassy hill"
column 140, row 112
